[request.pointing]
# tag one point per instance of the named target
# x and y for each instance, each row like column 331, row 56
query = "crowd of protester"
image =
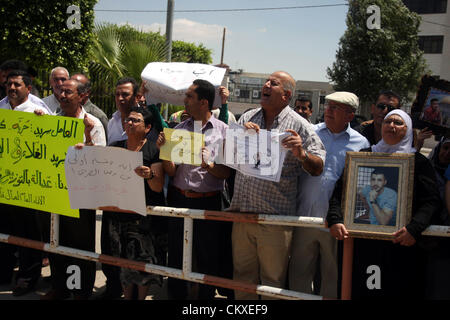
column 311, row 184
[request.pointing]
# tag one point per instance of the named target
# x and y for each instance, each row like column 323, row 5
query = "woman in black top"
column 133, row 236
column 400, row 261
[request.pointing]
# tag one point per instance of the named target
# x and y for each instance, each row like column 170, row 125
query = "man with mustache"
column 76, row 233
column 22, row 222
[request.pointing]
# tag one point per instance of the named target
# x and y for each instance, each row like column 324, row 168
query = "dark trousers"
column 21, row 222
column 205, row 247
column 26, row 225
column 80, row 234
column 112, row 273
column 7, row 257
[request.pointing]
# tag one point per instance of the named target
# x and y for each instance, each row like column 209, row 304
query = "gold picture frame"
column 378, row 191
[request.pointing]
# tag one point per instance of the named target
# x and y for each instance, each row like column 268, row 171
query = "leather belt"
column 193, row 194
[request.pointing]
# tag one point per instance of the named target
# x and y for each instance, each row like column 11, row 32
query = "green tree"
column 37, row 33
column 369, row 61
column 120, row 51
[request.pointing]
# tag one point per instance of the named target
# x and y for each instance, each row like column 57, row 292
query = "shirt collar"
column 322, row 126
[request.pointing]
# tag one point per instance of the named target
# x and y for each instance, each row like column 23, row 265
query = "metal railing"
column 186, row 272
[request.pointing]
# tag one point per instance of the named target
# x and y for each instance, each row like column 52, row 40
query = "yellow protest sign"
column 182, row 146
column 32, row 153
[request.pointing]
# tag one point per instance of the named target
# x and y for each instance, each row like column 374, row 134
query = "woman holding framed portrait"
column 399, row 261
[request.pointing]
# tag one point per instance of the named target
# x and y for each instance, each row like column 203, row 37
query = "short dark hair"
column 391, row 94
column 146, row 114
column 20, row 73
column 305, row 99
column 14, row 65
column 205, row 90
column 434, row 99
column 378, row 171
column 131, row 80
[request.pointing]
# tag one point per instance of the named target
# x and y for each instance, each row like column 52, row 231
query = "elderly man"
column 197, row 187
column 311, row 245
column 87, row 103
column 386, row 102
column 261, row 252
column 76, row 233
column 22, row 222
column 57, row 77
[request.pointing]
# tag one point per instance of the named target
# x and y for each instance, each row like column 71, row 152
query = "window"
column 245, row 94
column 431, row 44
column 426, row 6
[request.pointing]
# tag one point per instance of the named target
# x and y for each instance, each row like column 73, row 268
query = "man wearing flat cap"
column 311, row 245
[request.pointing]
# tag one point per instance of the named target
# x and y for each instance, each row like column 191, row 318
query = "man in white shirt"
column 57, row 77
column 125, row 97
column 19, row 221
column 76, row 233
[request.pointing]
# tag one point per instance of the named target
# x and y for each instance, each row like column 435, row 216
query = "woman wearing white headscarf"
column 401, row 260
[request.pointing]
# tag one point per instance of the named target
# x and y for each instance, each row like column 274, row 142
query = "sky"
column 300, row 41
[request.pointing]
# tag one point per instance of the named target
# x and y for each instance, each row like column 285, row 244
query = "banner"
column 167, row 82
column 105, row 176
column 32, row 153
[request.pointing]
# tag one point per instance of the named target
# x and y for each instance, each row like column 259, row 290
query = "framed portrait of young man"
column 431, row 108
column 377, row 197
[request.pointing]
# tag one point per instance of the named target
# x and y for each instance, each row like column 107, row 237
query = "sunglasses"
column 383, row 106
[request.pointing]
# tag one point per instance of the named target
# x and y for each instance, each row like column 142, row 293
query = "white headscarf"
column 406, row 144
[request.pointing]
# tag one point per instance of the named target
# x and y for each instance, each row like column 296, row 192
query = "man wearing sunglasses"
column 386, row 102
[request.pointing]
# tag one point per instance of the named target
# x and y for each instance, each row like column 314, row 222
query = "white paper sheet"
column 167, row 82
column 258, row 155
column 104, row 176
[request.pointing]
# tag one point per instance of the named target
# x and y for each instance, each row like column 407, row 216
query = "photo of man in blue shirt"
column 380, row 201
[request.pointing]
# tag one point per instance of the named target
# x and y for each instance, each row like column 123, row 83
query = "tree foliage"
column 369, row 61
column 124, row 50
column 36, row 32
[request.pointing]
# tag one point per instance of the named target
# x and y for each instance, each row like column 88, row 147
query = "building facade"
column 434, row 35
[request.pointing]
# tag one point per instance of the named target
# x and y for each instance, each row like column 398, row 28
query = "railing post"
column 187, row 245
column 347, row 269
column 54, row 230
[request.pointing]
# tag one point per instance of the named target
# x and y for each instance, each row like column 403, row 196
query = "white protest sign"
column 254, row 154
column 104, row 176
column 167, row 82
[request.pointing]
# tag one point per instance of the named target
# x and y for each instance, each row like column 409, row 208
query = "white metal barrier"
column 186, row 272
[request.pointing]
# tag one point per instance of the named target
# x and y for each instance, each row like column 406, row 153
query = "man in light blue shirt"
column 314, row 193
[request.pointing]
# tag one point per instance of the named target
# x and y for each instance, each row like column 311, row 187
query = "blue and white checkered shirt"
column 279, row 198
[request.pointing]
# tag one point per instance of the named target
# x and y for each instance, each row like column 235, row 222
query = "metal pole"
column 223, row 46
column 347, row 269
column 170, row 5
column 54, row 230
column 187, row 245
